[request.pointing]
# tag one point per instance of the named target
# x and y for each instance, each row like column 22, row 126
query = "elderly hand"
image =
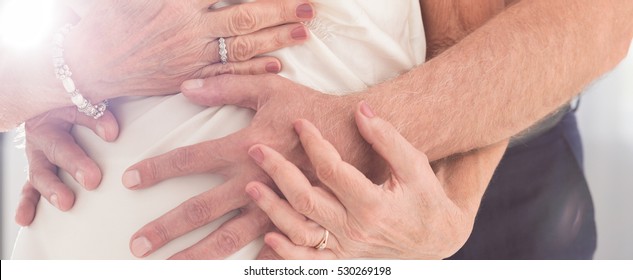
column 278, row 103
column 276, row 109
column 149, row 47
column 147, row 52
column 410, row 216
column 50, row 145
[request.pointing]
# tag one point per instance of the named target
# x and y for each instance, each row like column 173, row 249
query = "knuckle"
column 243, row 21
column 50, row 149
column 382, row 135
column 304, row 204
column 255, row 69
column 287, row 10
column 262, row 221
column 299, row 238
column 227, row 242
column 273, row 169
column 181, row 160
column 254, row 135
column 197, row 212
column 149, row 171
column 278, row 40
column 241, row 48
column 39, row 166
column 41, row 183
column 160, row 232
column 222, row 69
column 326, row 171
column 37, row 173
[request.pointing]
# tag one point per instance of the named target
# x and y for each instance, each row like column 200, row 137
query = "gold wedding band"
column 323, row 243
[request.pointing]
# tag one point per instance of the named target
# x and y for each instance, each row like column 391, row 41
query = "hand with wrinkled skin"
column 456, row 116
column 252, row 19
column 228, row 157
column 148, row 47
column 49, row 146
column 413, row 215
column 271, row 125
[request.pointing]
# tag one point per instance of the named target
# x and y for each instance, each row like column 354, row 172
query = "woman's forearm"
column 148, row 48
column 29, row 86
column 521, row 65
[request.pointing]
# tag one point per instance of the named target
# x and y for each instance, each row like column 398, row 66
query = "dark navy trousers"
column 538, row 204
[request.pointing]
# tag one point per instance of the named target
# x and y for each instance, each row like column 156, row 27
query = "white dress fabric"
column 354, row 44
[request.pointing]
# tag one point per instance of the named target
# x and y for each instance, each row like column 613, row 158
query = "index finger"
column 406, row 162
column 349, row 185
column 312, row 202
column 249, row 17
column 209, row 156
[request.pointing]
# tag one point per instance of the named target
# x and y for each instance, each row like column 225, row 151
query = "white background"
column 606, row 125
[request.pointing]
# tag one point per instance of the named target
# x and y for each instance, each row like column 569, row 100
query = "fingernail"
column 253, row 192
column 79, row 176
column 101, row 131
column 272, row 68
column 131, row 179
column 366, row 110
column 305, row 11
column 257, row 155
column 140, row 246
column 54, row 200
column 193, row 84
column 299, row 33
column 298, row 126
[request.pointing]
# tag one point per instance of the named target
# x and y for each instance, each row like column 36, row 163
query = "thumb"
column 240, row 90
column 107, row 127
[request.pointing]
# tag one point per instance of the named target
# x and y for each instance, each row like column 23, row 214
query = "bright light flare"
column 25, row 23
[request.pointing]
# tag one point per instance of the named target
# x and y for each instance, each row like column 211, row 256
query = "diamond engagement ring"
column 323, row 243
column 223, row 51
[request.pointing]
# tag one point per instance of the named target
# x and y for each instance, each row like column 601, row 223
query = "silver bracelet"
column 62, row 72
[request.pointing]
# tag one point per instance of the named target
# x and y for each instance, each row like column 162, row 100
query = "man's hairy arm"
column 518, row 67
